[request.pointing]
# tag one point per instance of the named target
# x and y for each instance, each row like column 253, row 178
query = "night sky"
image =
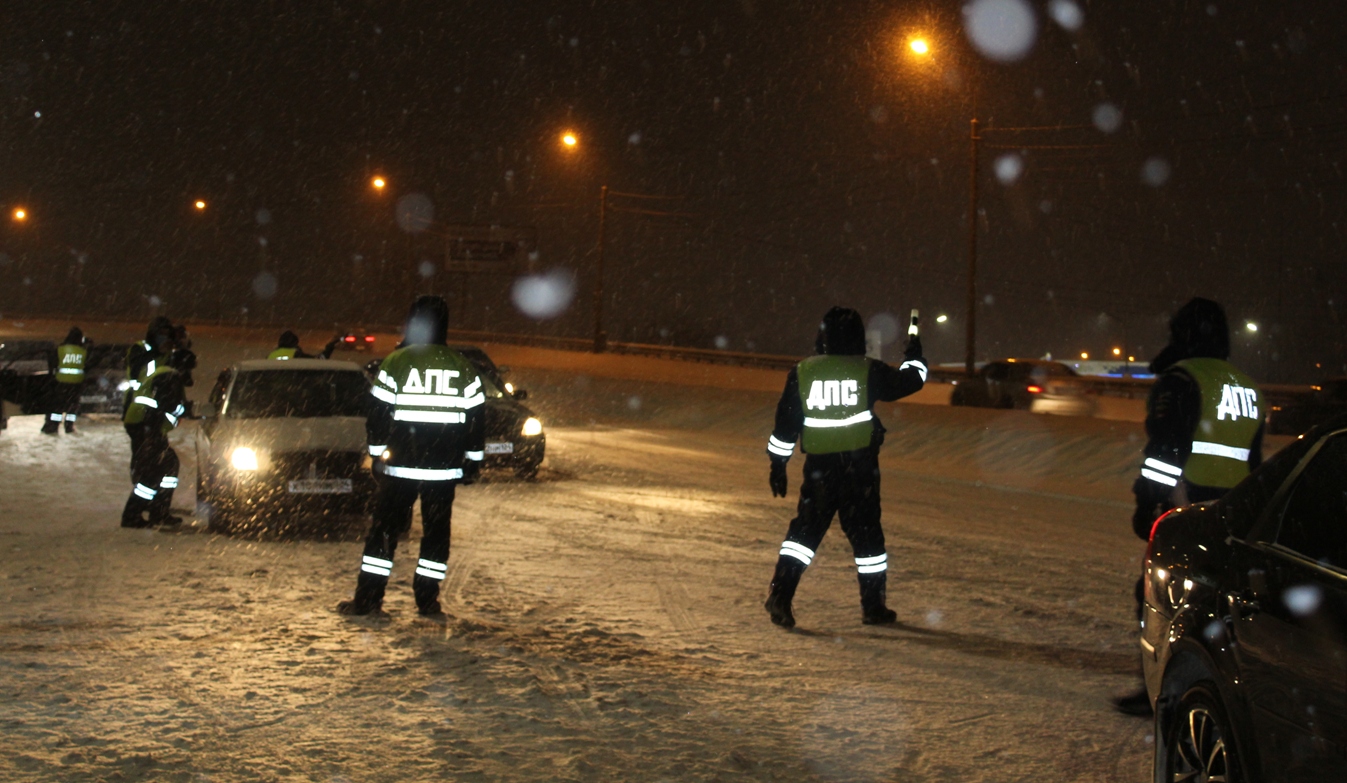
column 800, row 154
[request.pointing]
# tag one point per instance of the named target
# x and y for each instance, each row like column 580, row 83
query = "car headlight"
column 509, row 388
column 243, row 458
column 532, row 427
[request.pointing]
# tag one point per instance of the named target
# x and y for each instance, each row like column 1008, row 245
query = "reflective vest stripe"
column 1218, row 450
column 430, row 417
column 384, row 395
column 423, row 474
column 859, row 418
column 439, row 400
column 915, row 364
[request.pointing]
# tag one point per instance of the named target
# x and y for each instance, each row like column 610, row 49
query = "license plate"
column 500, row 448
column 321, row 487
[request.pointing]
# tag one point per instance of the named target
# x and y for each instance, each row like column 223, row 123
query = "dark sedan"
column 514, row 434
column 1034, row 385
column 1244, row 638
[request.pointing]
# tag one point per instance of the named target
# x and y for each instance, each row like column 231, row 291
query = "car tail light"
column 350, row 338
column 369, row 338
column 1035, row 389
column 1156, row 524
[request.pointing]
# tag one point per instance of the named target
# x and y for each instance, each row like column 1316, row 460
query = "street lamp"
column 378, row 183
column 569, row 140
column 1085, row 355
column 919, row 46
column 1251, row 326
column 20, row 214
column 940, row 319
column 1117, row 352
column 200, row 205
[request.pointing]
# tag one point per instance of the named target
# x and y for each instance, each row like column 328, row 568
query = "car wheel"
column 1199, row 745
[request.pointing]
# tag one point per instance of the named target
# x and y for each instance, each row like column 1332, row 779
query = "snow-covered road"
column 605, row 620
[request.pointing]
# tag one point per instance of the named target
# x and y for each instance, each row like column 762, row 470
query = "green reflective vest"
column 142, row 399
column 1232, row 411
column 836, row 398
column 283, row 353
column 70, row 363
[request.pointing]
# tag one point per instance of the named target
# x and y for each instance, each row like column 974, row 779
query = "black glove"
column 913, row 349
column 777, row 478
column 472, row 470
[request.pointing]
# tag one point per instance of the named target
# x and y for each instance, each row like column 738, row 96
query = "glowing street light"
column 378, row 183
column 919, row 46
column 20, row 214
column 200, row 205
column 1085, row 354
column 940, row 319
column 1117, row 352
column 1251, row 326
column 569, row 140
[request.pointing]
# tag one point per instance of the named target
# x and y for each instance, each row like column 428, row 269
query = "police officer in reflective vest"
column 828, row 406
column 142, row 360
column 426, row 429
column 65, row 392
column 287, row 347
column 155, row 410
column 1204, row 424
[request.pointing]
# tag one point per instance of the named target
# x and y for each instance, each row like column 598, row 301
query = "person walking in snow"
column 827, row 406
column 427, row 434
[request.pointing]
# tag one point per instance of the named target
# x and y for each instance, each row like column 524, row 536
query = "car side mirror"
column 521, row 394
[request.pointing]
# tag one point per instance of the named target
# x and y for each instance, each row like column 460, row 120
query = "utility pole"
column 970, row 343
column 600, row 336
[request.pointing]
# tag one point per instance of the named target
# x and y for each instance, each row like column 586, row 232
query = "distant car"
column 283, row 438
column 1244, row 638
column 356, row 340
column 1292, row 417
column 1034, row 385
column 514, row 434
column 25, row 373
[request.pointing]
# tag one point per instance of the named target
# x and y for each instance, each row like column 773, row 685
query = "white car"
column 282, row 439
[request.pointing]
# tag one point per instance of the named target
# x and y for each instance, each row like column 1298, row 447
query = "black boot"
column 369, row 595
column 427, row 592
column 133, row 514
column 874, row 610
column 50, row 427
column 782, row 592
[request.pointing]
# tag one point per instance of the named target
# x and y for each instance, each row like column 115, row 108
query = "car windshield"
column 1245, row 503
column 267, row 394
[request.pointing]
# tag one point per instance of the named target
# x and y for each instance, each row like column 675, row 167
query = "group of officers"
column 426, row 435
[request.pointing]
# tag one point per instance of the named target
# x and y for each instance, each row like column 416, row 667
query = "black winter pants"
column 845, row 485
column 64, row 405
column 154, row 478
column 392, row 515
